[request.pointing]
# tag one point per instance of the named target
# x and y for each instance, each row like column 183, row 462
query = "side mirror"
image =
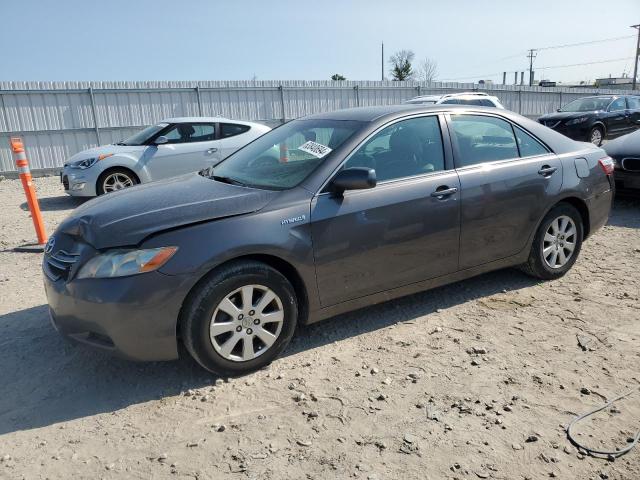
column 356, row 178
column 557, row 109
column 161, row 140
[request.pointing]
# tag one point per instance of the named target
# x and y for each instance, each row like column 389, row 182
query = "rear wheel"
column 115, row 179
column 596, row 135
column 240, row 318
column 557, row 243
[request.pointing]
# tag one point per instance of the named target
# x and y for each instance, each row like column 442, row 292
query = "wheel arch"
column 601, row 124
column 576, row 202
column 275, row 262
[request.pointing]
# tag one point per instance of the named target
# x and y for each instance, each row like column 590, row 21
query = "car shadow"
column 64, row 202
column 625, row 211
column 47, row 380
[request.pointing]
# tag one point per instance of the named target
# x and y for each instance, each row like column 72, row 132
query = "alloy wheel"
column 596, row 136
column 559, row 242
column 246, row 323
column 116, row 181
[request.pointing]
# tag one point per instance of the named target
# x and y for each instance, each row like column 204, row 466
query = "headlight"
column 120, row 263
column 89, row 162
column 577, row 120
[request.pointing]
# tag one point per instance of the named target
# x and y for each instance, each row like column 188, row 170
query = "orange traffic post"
column 19, row 155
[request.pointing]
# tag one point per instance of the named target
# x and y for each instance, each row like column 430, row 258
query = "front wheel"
column 240, row 318
column 596, row 136
column 557, row 243
column 115, row 179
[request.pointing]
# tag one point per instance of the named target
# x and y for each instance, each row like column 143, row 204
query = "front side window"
column 285, row 156
column 191, row 133
column 403, row 149
column 617, row 105
column 482, row 139
column 144, row 135
column 232, row 129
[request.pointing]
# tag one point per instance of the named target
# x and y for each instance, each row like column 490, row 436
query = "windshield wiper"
column 228, row 180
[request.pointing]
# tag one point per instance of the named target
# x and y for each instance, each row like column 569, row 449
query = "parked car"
column 625, row 152
column 169, row 148
column 594, row 119
column 369, row 204
column 480, row 99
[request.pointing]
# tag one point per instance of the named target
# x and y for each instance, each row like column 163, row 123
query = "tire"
column 539, row 265
column 204, row 307
column 126, row 178
column 596, row 135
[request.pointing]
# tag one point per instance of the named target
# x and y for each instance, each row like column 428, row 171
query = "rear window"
column 232, row 129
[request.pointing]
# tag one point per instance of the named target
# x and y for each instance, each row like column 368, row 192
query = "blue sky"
column 304, row 40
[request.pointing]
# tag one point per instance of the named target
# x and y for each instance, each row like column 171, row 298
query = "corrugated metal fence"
column 58, row 119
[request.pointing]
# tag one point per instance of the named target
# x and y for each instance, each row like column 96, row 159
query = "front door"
column 617, row 118
column 397, row 233
column 190, row 147
column 507, row 180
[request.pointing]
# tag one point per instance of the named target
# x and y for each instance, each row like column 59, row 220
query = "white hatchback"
column 461, row 98
column 167, row 149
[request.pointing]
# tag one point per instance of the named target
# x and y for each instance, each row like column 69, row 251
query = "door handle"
column 444, row 191
column 547, row 171
column 212, row 150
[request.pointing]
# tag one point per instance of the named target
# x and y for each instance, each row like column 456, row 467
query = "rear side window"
column 634, row 103
column 528, row 146
column 232, row 129
column 482, row 139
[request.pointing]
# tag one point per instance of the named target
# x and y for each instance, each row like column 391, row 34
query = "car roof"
column 369, row 114
column 202, row 119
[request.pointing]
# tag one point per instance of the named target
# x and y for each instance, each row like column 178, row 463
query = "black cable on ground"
column 591, row 451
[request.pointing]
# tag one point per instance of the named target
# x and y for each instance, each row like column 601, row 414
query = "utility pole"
column 531, row 56
column 635, row 57
column 382, row 64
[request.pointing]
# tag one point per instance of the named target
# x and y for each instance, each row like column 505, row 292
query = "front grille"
column 59, row 264
column 631, row 164
column 65, row 182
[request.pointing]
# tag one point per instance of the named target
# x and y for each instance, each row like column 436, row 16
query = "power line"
column 543, row 68
column 590, row 42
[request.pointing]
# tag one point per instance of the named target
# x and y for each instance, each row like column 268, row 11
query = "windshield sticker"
column 316, row 149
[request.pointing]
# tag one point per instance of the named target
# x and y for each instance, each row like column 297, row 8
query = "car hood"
column 565, row 115
column 105, row 150
column 127, row 217
column 625, row 146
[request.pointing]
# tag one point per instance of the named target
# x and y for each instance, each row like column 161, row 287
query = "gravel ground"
column 473, row 380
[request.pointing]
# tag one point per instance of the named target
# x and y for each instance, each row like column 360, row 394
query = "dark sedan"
column 320, row 216
column 625, row 152
column 594, row 119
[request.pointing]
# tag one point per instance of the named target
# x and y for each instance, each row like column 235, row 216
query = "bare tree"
column 428, row 70
column 338, row 77
column 401, row 68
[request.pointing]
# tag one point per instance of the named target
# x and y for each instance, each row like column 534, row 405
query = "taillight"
column 606, row 163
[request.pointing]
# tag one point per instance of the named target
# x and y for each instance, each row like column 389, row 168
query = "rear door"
column 400, row 231
column 506, row 179
column 190, row 147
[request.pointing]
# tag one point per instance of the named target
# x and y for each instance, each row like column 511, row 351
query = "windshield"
column 285, row 156
column 143, row 135
column 589, row 104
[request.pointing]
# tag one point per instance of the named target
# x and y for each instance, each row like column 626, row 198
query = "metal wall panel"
column 56, row 119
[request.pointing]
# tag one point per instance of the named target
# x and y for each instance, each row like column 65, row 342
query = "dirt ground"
column 473, row 380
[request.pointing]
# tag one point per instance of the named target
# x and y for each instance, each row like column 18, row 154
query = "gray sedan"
column 323, row 215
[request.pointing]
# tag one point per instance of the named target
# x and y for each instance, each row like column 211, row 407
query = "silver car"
column 167, row 149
